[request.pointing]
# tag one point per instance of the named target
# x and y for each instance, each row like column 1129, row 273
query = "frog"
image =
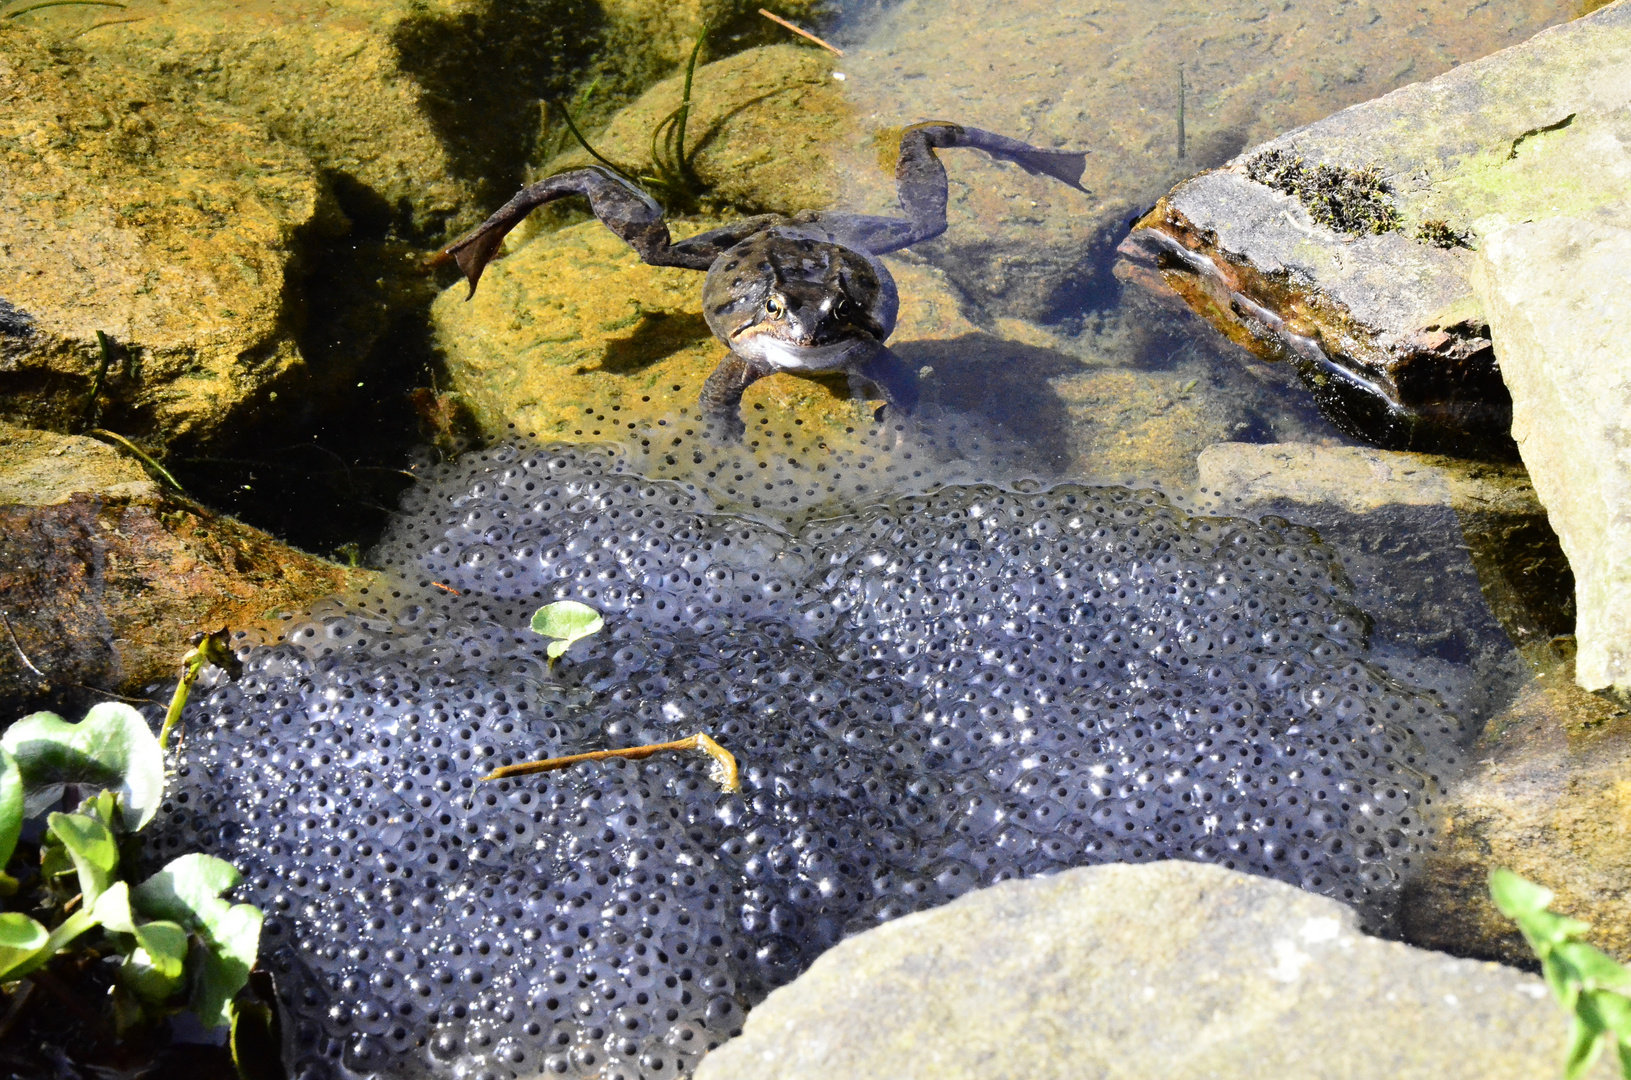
column 805, row 293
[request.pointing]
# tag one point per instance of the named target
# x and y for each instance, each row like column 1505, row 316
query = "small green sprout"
column 1587, row 982
column 208, row 650
column 567, row 621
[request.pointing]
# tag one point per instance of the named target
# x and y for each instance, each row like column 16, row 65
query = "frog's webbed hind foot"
column 920, row 182
column 891, row 376
column 620, row 205
column 721, row 397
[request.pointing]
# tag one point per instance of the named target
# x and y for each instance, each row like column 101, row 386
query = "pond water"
column 1056, row 617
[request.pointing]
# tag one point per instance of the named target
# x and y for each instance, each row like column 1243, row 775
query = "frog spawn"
column 927, row 694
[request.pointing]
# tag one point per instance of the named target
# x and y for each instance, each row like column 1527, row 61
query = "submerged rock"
column 1553, row 291
column 1169, row 970
column 1107, row 78
column 1547, row 795
column 926, row 693
column 1384, row 325
column 173, row 229
column 103, row 578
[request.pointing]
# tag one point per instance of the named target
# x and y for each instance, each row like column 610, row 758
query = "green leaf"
column 256, row 1042
column 112, row 747
column 165, row 944
column 93, row 849
column 112, row 909
column 1585, row 1043
column 226, row 964
column 11, row 805
column 1547, row 930
column 60, row 938
column 188, row 891
column 22, row 940
column 1517, row 896
column 1596, row 969
column 155, row 970
column 567, row 620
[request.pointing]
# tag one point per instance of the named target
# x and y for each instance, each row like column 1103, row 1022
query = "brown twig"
column 19, row 647
column 724, row 762
column 779, row 21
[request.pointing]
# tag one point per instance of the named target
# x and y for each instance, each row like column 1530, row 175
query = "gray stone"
column 1172, row 969
column 1563, row 331
column 1386, row 326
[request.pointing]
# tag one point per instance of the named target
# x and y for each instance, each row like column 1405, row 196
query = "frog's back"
column 800, row 255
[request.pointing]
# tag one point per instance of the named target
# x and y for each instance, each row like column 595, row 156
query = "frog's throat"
column 766, row 349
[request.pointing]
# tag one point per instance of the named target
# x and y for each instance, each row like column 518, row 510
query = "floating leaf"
column 22, row 940
column 112, row 748
column 568, row 621
column 11, row 805
column 93, row 849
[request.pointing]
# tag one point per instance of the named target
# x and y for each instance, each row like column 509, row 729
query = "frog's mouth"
column 759, row 342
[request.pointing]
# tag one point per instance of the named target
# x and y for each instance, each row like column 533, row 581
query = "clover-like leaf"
column 155, row 970
column 11, row 805
column 112, row 748
column 1517, row 896
column 112, row 909
column 22, row 940
column 235, row 940
column 567, row 621
column 188, row 891
column 92, row 848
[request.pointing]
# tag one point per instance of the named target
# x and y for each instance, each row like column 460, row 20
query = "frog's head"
column 805, row 305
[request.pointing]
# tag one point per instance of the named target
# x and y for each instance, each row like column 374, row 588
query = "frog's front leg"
column 721, row 397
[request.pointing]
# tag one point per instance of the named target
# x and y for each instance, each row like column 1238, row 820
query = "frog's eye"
column 774, row 307
column 843, row 309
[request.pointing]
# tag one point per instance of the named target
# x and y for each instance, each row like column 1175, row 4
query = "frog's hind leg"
column 621, row 207
column 891, row 376
column 920, row 182
column 721, row 398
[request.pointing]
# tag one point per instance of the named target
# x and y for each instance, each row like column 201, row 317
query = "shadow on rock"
column 657, row 336
column 474, row 68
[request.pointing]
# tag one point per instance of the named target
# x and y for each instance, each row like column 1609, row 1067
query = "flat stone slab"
column 1386, row 326
column 1171, row 969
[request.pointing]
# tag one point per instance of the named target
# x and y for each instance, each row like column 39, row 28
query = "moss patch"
column 1353, row 201
column 1441, row 233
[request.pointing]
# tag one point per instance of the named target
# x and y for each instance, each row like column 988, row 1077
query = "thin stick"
column 63, row 3
column 779, row 21
column 724, row 771
column 148, row 461
column 19, row 647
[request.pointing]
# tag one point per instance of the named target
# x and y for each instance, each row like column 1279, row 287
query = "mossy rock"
column 172, row 228
column 762, row 127
column 418, row 109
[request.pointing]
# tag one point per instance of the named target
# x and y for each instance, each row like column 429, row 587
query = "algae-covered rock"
column 1107, row 78
column 571, row 333
column 172, row 228
column 1548, row 795
column 423, row 111
column 1385, row 325
column 763, row 125
column 103, row 578
column 1169, row 969
column 1554, row 294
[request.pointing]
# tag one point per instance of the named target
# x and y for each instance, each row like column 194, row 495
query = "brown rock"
column 172, row 229
column 1549, row 796
column 103, row 580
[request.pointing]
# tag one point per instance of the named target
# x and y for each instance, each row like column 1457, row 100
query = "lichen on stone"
column 1348, row 200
